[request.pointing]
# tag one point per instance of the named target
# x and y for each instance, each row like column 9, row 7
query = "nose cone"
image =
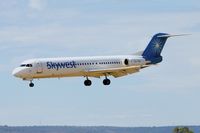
column 17, row 72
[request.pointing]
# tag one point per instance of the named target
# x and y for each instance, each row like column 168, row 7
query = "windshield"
column 26, row 65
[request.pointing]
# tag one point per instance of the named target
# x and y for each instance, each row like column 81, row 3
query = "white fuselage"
column 96, row 66
column 74, row 66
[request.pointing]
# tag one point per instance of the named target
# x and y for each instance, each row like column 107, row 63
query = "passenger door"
column 39, row 67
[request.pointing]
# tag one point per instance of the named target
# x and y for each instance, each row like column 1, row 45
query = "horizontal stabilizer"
column 168, row 35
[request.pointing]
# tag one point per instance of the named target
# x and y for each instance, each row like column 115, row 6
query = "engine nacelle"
column 126, row 62
column 130, row 61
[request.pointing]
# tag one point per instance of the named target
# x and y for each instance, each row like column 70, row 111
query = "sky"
column 161, row 95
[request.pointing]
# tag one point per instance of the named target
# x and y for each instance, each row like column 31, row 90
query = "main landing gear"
column 88, row 82
column 106, row 81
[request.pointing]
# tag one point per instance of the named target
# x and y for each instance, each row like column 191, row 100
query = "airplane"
column 93, row 66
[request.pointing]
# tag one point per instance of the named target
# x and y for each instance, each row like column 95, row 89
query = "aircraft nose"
column 16, row 72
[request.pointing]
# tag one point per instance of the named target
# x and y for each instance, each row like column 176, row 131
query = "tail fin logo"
column 157, row 46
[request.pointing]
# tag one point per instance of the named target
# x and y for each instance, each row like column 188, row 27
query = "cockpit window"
column 26, row 65
column 22, row 65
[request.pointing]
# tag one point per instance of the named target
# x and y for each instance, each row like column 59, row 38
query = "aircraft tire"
column 106, row 81
column 31, row 85
column 87, row 82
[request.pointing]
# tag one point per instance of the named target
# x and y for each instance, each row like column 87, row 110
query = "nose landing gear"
column 31, row 84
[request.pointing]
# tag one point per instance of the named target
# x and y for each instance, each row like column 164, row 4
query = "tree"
column 182, row 130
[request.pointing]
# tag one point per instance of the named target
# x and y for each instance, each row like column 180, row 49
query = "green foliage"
column 182, row 130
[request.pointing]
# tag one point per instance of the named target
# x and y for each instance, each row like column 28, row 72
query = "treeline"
column 100, row 129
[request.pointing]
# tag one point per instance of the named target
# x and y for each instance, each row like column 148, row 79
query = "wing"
column 115, row 72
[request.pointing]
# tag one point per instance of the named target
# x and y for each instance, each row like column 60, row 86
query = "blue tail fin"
column 154, row 48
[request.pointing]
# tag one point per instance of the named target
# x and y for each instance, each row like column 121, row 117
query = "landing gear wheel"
column 106, row 81
column 87, row 82
column 31, row 84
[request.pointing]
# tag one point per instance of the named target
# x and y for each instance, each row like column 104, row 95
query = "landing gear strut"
column 87, row 82
column 106, row 81
column 31, row 84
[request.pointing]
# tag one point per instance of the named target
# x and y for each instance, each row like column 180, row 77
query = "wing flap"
column 115, row 72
